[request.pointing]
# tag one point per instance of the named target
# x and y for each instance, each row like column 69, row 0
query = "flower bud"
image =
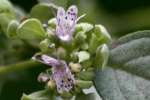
column 84, row 84
column 77, row 89
column 101, row 32
column 12, row 28
column 74, row 56
column 87, row 64
column 47, row 45
column 102, row 54
column 66, row 95
column 84, row 46
column 61, row 52
column 43, row 77
column 75, row 67
column 94, row 42
column 52, row 23
column 51, row 84
column 86, row 27
column 83, row 56
column 86, row 75
column 80, row 38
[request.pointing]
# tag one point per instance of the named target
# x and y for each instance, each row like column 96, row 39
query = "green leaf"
column 90, row 96
column 39, row 95
column 63, row 3
column 118, row 85
column 132, row 53
column 7, row 13
column 31, row 29
column 6, row 7
column 130, row 37
column 83, row 56
column 43, row 11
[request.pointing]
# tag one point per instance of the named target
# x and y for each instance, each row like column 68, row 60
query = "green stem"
column 17, row 67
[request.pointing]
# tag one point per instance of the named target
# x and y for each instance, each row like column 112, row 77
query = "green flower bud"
column 61, row 52
column 84, row 46
column 102, row 54
column 12, row 28
column 84, row 84
column 101, row 32
column 90, row 69
column 43, row 77
column 86, row 27
column 47, row 46
column 77, row 89
column 80, row 38
column 83, row 56
column 74, row 56
column 51, row 84
column 75, row 67
column 52, row 23
column 87, row 64
column 86, row 75
column 66, row 95
column 94, row 43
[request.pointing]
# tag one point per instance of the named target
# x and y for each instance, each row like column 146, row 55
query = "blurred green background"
column 120, row 17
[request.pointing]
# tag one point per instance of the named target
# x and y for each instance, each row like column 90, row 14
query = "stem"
column 17, row 67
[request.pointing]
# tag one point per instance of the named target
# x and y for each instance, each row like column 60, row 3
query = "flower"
column 66, row 21
column 61, row 73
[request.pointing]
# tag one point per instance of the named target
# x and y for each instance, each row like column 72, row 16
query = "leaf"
column 39, row 95
column 6, row 7
column 90, row 96
column 83, row 56
column 31, row 29
column 118, row 85
column 131, row 36
column 43, row 11
column 131, row 53
column 7, row 13
column 63, row 3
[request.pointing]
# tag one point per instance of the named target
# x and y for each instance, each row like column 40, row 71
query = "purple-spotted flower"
column 61, row 73
column 66, row 22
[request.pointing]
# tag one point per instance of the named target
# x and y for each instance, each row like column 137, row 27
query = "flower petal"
column 60, row 72
column 46, row 60
column 63, row 78
column 66, row 22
